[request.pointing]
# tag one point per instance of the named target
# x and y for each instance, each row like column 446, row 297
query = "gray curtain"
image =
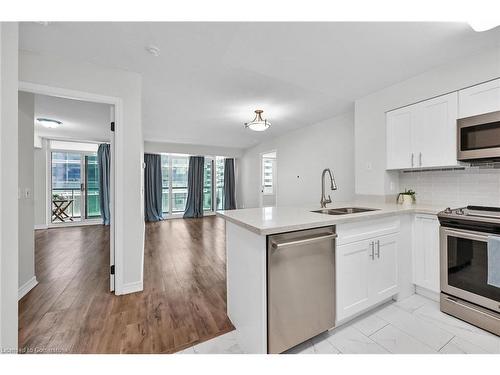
column 103, row 164
column 152, row 188
column 229, row 185
column 194, row 204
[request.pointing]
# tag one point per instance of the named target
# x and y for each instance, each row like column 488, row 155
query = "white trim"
column 26, row 287
column 131, row 288
column 117, row 225
column 427, row 293
column 41, row 226
column 67, row 224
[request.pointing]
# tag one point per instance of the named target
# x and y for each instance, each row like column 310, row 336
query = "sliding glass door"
column 174, row 169
column 74, row 180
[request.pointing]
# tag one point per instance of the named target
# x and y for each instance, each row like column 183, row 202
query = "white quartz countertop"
column 271, row 220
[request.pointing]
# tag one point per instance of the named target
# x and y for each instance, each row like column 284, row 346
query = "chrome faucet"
column 333, row 186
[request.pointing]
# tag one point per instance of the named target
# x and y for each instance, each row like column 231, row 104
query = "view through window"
column 75, row 186
column 174, row 183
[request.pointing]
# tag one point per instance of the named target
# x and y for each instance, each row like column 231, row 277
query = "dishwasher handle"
column 280, row 245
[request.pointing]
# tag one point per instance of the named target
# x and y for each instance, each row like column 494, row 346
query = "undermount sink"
column 343, row 210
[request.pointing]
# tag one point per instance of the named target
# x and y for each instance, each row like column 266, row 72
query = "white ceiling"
column 210, row 77
column 83, row 121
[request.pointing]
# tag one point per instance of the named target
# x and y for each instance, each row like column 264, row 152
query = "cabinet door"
column 479, row 99
column 352, row 278
column 398, row 138
column 434, row 132
column 384, row 268
column 426, row 252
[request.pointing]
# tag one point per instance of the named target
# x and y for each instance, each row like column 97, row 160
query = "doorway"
column 268, row 174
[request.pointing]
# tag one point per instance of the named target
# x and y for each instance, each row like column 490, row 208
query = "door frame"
column 275, row 177
column 117, row 169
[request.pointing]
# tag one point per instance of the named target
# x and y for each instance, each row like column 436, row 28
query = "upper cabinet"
column 423, row 135
column 399, row 142
column 479, row 99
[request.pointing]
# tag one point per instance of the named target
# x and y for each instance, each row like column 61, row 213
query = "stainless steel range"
column 465, row 291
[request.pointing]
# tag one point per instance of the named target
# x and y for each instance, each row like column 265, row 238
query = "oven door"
column 479, row 137
column 464, row 267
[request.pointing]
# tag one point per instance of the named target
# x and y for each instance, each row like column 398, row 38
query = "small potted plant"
column 407, row 198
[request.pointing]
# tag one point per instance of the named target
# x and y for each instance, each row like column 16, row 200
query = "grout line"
column 385, row 325
column 446, row 344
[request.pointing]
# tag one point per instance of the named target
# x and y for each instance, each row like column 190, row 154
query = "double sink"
column 344, row 210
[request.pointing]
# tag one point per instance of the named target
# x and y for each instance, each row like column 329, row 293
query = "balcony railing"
column 74, row 211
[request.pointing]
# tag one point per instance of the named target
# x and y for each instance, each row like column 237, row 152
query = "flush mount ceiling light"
column 258, row 124
column 153, row 50
column 483, row 25
column 49, row 123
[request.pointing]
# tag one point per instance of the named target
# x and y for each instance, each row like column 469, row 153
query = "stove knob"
column 447, row 210
column 460, row 211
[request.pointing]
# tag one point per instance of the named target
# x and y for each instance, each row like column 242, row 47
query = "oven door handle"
column 466, row 234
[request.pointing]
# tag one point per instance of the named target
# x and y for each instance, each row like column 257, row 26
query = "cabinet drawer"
column 370, row 228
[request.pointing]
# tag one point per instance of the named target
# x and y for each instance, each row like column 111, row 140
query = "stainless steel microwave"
column 478, row 137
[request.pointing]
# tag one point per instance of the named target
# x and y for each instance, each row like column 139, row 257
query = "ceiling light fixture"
column 49, row 123
column 153, row 50
column 483, row 25
column 258, row 124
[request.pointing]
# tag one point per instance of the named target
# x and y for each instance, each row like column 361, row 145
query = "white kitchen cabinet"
column 479, row 99
column 384, row 282
column 423, row 135
column 366, row 269
column 399, row 147
column 435, row 132
column 426, row 252
column 353, row 280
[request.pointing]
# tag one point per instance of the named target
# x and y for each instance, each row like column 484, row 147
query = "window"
column 74, row 179
column 207, row 184
column 219, row 183
column 268, row 161
column 174, row 183
column 179, row 169
column 165, row 184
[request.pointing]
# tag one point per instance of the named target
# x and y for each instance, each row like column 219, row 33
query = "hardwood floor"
column 183, row 302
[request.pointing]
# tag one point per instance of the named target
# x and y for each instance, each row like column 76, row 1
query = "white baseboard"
column 41, row 226
column 427, row 293
column 131, row 288
column 26, row 287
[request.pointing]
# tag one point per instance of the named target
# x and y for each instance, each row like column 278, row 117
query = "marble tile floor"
column 412, row 326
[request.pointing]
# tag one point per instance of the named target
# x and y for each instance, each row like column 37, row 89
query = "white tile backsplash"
column 454, row 188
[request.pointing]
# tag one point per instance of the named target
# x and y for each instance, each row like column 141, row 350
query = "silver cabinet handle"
column 412, row 158
column 372, row 252
column 420, row 158
column 303, row 241
column 378, row 248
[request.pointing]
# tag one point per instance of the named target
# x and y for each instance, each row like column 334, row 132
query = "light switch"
column 369, row 166
column 27, row 193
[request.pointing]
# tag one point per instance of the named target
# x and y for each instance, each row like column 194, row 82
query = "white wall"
column 8, row 188
column 26, row 113
column 301, row 157
column 40, row 185
column 189, row 149
column 86, row 77
column 369, row 133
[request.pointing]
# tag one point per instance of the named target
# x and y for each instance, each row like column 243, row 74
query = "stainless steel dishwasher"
column 300, row 286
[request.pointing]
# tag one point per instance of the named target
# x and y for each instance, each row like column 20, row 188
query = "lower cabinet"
column 426, row 252
column 367, row 271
